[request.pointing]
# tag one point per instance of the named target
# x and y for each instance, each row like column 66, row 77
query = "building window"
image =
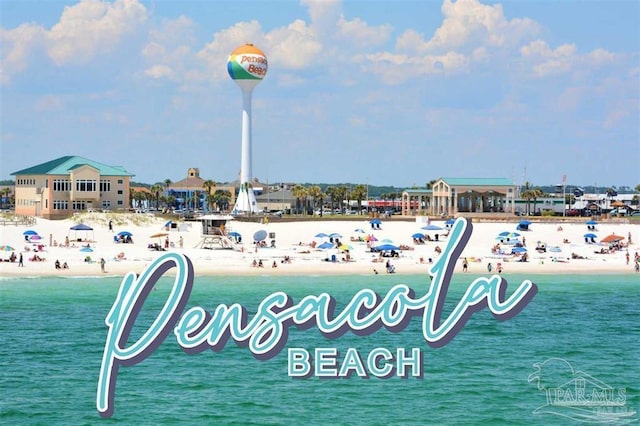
column 78, row 205
column 60, row 205
column 120, row 181
column 120, row 202
column 119, row 191
column 85, row 185
column 62, row 185
column 106, row 204
column 105, row 186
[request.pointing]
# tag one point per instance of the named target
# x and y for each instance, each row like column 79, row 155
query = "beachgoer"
column 110, row 225
column 260, row 264
column 20, row 261
column 627, row 257
column 102, row 263
column 274, row 265
column 375, row 271
column 637, row 266
column 166, row 243
column 65, row 266
column 180, row 241
column 489, row 267
column 465, row 265
column 57, row 264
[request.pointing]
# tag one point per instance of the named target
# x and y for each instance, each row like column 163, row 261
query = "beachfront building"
column 190, row 193
column 58, row 188
column 449, row 196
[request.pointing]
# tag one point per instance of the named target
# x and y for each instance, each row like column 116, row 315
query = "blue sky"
column 378, row 92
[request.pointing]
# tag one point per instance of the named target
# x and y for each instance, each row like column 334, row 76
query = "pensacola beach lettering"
column 266, row 333
column 260, row 69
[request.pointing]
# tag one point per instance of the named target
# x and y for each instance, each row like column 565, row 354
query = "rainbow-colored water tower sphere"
column 247, row 66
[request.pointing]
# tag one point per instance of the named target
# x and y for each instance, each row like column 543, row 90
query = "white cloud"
column 169, row 50
column 545, row 61
column 92, row 27
column 160, row 71
column 395, row 68
column 16, row 48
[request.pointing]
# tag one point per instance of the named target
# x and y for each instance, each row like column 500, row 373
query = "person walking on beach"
column 465, row 265
column 489, row 267
column 20, row 261
column 102, row 263
column 110, row 225
column 181, row 241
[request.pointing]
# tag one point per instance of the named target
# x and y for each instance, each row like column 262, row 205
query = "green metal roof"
column 418, row 191
column 456, row 181
column 63, row 165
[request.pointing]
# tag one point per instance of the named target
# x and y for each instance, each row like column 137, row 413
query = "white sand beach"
column 566, row 249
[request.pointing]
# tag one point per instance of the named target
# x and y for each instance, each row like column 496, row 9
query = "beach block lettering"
column 379, row 363
column 266, row 333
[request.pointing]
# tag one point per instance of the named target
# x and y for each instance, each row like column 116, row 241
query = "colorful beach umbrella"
column 507, row 234
column 35, row 237
column 7, row 248
column 345, row 247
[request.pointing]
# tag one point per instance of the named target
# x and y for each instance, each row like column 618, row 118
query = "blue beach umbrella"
column 450, row 222
column 590, row 235
column 525, row 223
column 360, row 231
column 507, row 234
column 382, row 247
column 518, row 250
column 325, row 245
column 86, row 249
column 432, row 227
column 375, row 221
column 387, row 241
column 321, row 235
column 335, row 235
column 592, row 222
column 30, row 232
column 417, row 235
column 234, row 234
column 260, row 235
column 125, row 234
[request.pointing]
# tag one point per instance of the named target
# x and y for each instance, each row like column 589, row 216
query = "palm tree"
column 208, row 185
column 331, row 193
column 341, row 195
column 156, row 190
column 535, row 194
column 359, row 193
column 316, row 193
column 222, row 199
column 300, row 192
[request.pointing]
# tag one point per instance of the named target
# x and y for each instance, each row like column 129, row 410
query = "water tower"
column 247, row 66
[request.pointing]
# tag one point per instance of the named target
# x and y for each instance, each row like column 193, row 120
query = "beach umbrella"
column 159, row 235
column 234, row 234
column 30, row 232
column 321, row 235
column 35, row 237
column 525, row 223
column 555, row 249
column 590, row 235
column 591, row 222
column 612, row 238
column 518, row 250
column 507, row 234
column 417, row 235
column 260, row 235
column 335, row 235
column 86, row 249
column 432, row 227
column 382, row 247
column 450, row 222
column 325, row 245
column 125, row 234
column 360, row 231
column 371, row 238
column 346, row 247
column 7, row 248
column 375, row 221
column 386, row 241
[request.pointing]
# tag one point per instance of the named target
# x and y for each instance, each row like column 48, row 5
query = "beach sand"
column 293, row 239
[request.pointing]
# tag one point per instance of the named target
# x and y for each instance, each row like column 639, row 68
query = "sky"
column 373, row 92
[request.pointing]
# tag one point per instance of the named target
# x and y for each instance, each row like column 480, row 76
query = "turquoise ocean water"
column 52, row 334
